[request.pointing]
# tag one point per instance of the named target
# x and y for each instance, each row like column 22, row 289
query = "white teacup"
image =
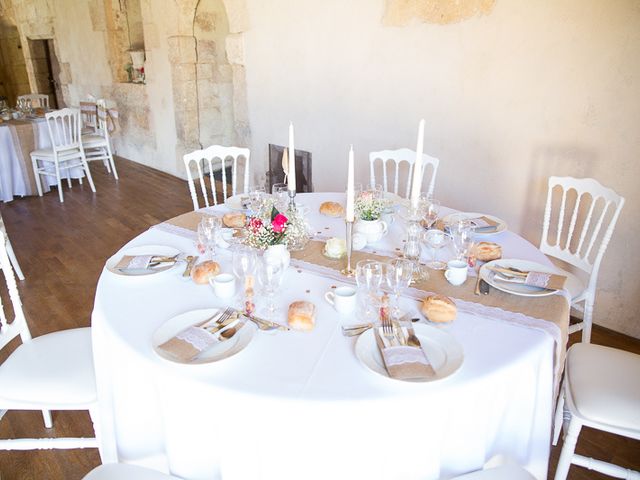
column 343, row 299
column 224, row 285
column 456, row 273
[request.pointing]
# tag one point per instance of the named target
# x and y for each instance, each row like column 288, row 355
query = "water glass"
column 207, row 232
column 256, row 196
column 369, row 280
column 270, row 278
column 463, row 237
column 244, row 261
column 431, row 210
column 280, row 193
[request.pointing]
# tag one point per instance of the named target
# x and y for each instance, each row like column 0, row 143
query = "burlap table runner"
column 188, row 221
column 24, row 136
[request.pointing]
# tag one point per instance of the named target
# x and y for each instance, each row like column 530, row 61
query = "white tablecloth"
column 12, row 179
column 300, row 405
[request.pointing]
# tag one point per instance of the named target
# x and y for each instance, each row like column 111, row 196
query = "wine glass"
column 431, row 210
column 280, row 193
column 436, row 239
column 244, row 263
column 211, row 230
column 369, row 279
column 398, row 273
column 256, row 195
column 270, row 278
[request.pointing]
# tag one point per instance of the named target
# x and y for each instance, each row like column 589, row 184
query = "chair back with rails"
column 577, row 242
column 397, row 158
column 210, row 156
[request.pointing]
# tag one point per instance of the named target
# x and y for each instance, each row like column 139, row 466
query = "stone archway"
column 208, row 75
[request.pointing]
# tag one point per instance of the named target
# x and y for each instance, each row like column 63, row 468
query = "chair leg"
column 93, row 413
column 568, row 447
column 587, row 320
column 14, row 261
column 87, row 172
column 112, row 162
column 36, row 174
column 48, row 421
column 69, row 178
column 60, row 194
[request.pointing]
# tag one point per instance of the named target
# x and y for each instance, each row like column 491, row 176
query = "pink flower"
column 278, row 223
column 255, row 224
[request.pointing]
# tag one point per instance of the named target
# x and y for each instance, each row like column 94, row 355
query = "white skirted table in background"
column 297, row 405
column 18, row 138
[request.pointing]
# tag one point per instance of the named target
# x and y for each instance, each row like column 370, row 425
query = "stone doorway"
column 46, row 71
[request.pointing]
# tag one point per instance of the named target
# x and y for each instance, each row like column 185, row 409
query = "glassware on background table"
column 369, row 279
column 398, row 275
column 256, row 196
column 436, row 239
column 270, row 278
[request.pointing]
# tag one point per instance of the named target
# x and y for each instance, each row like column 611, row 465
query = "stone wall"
column 14, row 80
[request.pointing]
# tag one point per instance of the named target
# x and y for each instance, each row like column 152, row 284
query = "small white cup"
column 456, row 273
column 343, row 299
column 224, row 285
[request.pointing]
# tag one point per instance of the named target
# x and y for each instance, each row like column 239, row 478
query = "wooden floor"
column 62, row 248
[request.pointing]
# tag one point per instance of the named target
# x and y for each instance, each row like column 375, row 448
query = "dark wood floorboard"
column 62, row 249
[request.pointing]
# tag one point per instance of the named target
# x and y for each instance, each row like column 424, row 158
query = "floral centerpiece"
column 271, row 227
column 369, row 206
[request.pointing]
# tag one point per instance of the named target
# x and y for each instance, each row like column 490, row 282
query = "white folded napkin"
column 142, row 263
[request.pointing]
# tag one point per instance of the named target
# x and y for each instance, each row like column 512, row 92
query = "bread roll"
column 331, row 209
column 234, row 220
column 438, row 308
column 202, row 272
column 487, row 251
column 302, row 315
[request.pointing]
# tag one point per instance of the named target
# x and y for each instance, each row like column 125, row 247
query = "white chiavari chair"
column 601, row 390
column 66, row 150
column 397, row 158
column 49, row 372
column 37, row 99
column 121, row 471
column 583, row 242
column 213, row 156
column 97, row 145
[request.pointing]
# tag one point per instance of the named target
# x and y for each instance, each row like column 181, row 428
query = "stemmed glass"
column 256, row 195
column 369, row 279
column 463, row 237
column 244, row 263
column 280, row 193
column 207, row 232
column 398, row 273
column 436, row 239
column 270, row 277
column 431, row 210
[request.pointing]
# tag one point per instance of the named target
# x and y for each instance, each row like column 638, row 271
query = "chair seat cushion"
column 53, row 369
column 48, row 153
column 504, row 472
column 120, row 471
column 93, row 139
column 604, row 385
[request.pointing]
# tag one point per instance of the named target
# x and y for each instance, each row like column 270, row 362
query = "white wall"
column 529, row 90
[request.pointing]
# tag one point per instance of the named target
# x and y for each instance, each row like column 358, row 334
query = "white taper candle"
column 291, row 177
column 417, row 167
column 350, row 213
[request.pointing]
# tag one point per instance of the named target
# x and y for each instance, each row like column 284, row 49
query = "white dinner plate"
column 143, row 250
column 219, row 351
column 524, row 265
column 442, row 349
column 235, row 202
column 501, row 227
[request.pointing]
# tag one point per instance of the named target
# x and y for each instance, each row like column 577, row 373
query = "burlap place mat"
column 188, row 221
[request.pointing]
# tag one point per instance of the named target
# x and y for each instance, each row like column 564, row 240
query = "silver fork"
column 222, row 317
column 387, row 329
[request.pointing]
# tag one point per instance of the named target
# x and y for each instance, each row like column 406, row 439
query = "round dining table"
column 295, row 404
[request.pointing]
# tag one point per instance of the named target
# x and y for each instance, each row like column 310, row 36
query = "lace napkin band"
column 403, row 362
column 549, row 281
column 186, row 345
